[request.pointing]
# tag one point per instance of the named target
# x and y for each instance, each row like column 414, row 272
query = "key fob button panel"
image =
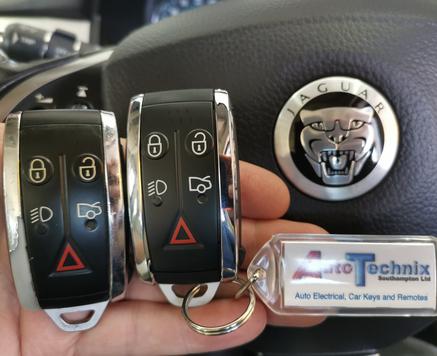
column 184, row 213
column 65, row 226
column 70, row 262
column 184, row 235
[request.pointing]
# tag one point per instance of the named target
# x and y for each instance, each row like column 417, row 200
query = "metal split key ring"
column 233, row 325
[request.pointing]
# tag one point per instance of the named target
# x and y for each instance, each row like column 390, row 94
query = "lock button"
column 39, row 170
column 156, row 145
column 199, row 143
column 87, row 168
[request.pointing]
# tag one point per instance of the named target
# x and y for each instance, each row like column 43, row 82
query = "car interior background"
column 65, row 54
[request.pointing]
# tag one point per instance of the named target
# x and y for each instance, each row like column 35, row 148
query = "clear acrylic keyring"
column 220, row 329
column 347, row 275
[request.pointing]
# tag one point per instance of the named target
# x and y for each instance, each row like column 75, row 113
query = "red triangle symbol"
column 179, row 238
column 69, row 252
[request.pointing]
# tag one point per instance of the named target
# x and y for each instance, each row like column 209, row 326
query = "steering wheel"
column 269, row 55
column 264, row 51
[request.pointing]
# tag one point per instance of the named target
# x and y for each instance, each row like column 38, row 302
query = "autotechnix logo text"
column 361, row 264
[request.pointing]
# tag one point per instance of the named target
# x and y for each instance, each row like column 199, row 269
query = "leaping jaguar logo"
column 338, row 141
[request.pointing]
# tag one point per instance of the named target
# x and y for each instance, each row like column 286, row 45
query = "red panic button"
column 69, row 261
column 182, row 234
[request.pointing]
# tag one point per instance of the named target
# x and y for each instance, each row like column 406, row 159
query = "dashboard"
column 157, row 10
column 97, row 17
column 138, row 14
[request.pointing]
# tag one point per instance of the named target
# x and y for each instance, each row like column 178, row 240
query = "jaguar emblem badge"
column 336, row 138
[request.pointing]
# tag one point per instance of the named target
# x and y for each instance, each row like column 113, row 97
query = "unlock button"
column 87, row 168
column 199, row 143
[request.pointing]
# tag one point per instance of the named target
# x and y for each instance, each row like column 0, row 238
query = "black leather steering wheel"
column 264, row 51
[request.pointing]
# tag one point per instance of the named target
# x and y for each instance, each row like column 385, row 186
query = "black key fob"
column 64, row 212
column 183, row 189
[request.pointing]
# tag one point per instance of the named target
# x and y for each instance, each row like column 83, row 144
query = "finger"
column 263, row 194
column 123, row 145
column 295, row 321
column 50, row 340
column 9, row 306
column 139, row 290
column 256, row 233
column 138, row 328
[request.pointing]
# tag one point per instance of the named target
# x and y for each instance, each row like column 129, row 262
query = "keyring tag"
column 347, row 275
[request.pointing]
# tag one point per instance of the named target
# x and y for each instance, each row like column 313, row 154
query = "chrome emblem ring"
column 336, row 138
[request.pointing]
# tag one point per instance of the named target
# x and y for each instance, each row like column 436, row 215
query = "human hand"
column 144, row 323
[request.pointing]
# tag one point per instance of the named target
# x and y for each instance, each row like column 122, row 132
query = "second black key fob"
column 183, row 189
column 64, row 212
